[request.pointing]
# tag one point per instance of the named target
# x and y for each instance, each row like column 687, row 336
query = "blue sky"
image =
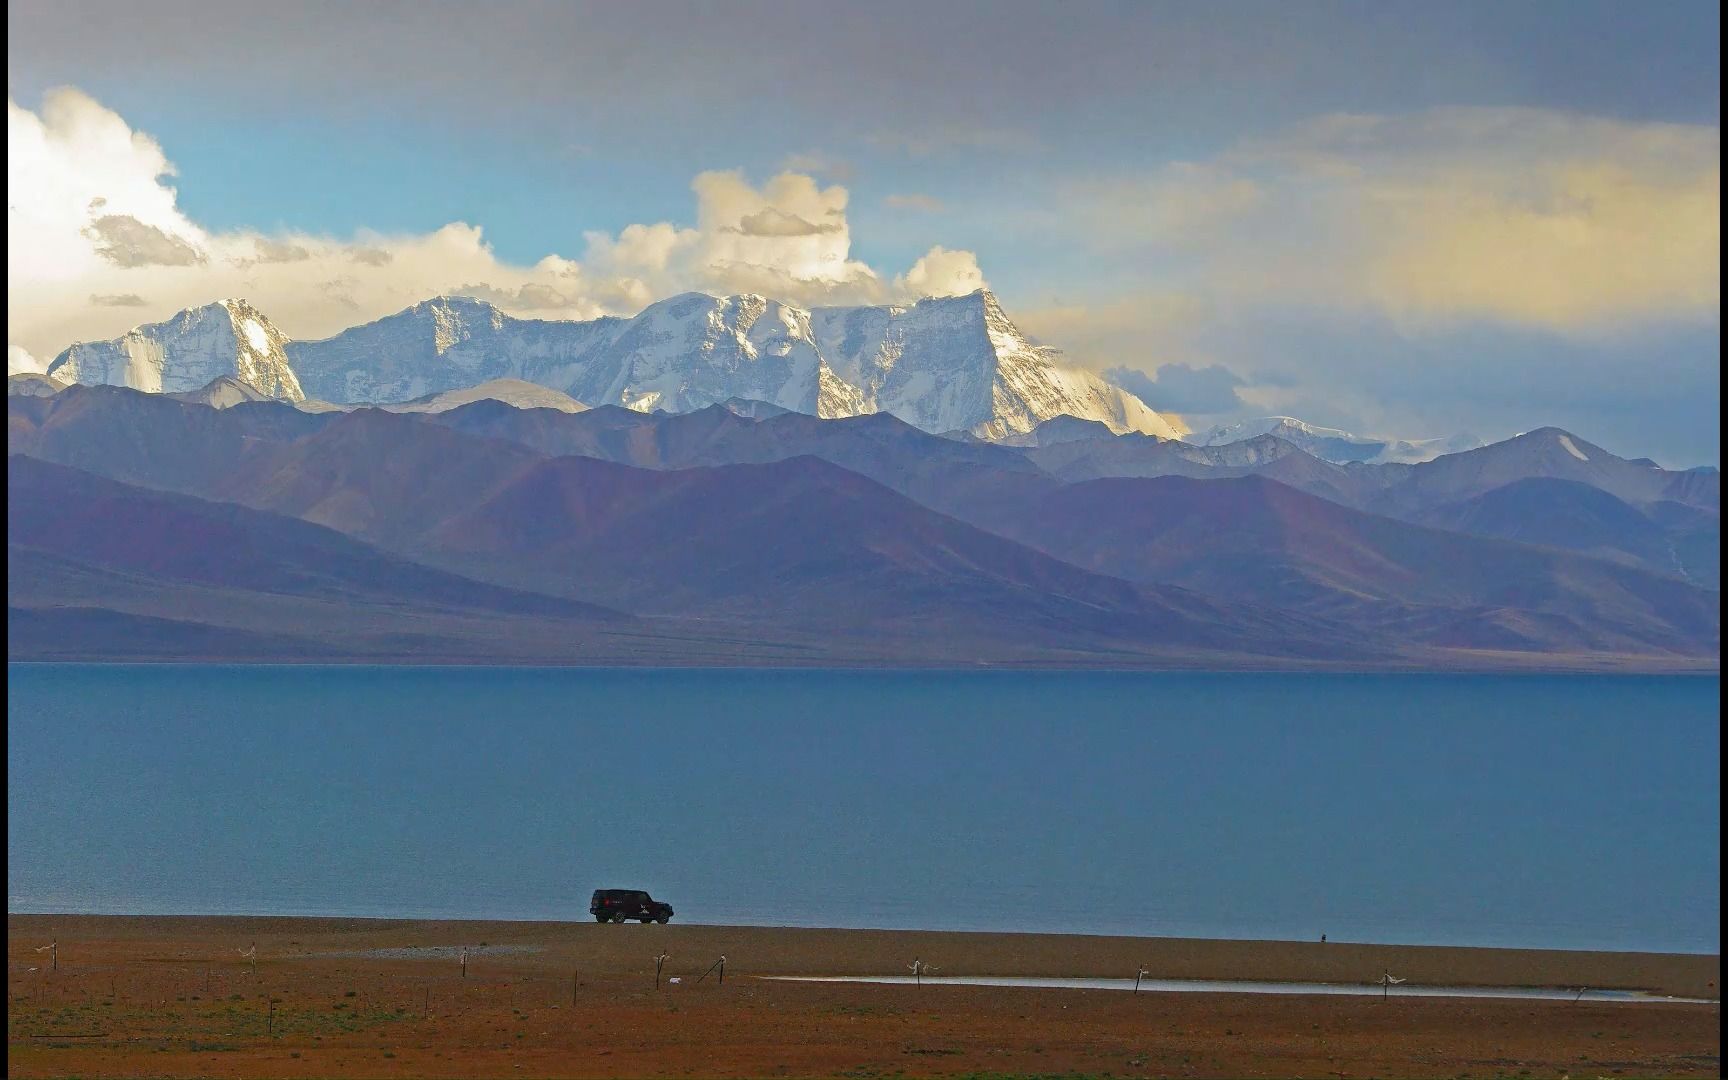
column 1405, row 218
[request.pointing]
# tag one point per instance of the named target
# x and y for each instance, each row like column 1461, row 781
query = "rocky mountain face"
column 185, row 353
column 959, row 363
column 942, row 364
column 446, row 343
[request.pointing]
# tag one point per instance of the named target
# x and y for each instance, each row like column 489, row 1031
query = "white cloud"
column 943, row 273
column 1524, row 217
column 20, row 362
column 125, row 241
column 94, row 226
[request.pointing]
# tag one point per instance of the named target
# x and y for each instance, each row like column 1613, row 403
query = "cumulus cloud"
column 20, row 362
column 1184, row 388
column 944, row 273
column 95, row 226
column 771, row 222
column 533, row 296
column 125, row 241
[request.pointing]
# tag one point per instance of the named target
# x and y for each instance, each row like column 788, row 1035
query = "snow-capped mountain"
column 446, row 343
column 1334, row 445
column 183, row 354
column 952, row 363
column 940, row 364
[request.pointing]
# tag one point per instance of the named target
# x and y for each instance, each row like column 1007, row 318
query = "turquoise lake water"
column 1534, row 811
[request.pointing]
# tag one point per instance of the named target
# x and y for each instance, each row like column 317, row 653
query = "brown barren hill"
column 1255, row 540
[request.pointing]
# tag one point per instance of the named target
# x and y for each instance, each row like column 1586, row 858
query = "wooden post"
column 659, row 962
column 270, row 1022
column 722, row 971
column 1138, row 975
column 464, row 961
column 426, row 1006
column 575, row 980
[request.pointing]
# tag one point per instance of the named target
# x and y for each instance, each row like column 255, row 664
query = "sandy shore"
column 148, row 996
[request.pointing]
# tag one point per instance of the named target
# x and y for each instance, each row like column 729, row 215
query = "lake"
column 1523, row 811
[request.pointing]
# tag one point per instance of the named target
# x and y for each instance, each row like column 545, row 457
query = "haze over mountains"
column 210, row 524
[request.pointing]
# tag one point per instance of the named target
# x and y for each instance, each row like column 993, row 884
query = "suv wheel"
column 664, row 919
column 602, row 918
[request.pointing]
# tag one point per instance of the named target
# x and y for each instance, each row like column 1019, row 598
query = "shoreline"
column 841, row 952
column 1509, row 664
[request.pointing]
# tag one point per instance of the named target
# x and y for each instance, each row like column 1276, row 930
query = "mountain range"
column 748, row 532
column 941, row 364
column 1332, row 444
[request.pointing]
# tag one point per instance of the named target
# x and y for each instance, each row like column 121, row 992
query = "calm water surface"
column 1564, row 812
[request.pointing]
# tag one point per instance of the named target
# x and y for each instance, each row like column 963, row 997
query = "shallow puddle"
column 1226, row 986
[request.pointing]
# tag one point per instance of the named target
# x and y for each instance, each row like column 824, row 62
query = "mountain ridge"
column 941, row 363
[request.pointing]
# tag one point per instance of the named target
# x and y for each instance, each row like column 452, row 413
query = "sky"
column 1404, row 219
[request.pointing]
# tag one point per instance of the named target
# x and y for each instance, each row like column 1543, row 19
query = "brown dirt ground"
column 173, row 997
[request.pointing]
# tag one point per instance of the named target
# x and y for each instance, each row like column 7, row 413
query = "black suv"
column 622, row 905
